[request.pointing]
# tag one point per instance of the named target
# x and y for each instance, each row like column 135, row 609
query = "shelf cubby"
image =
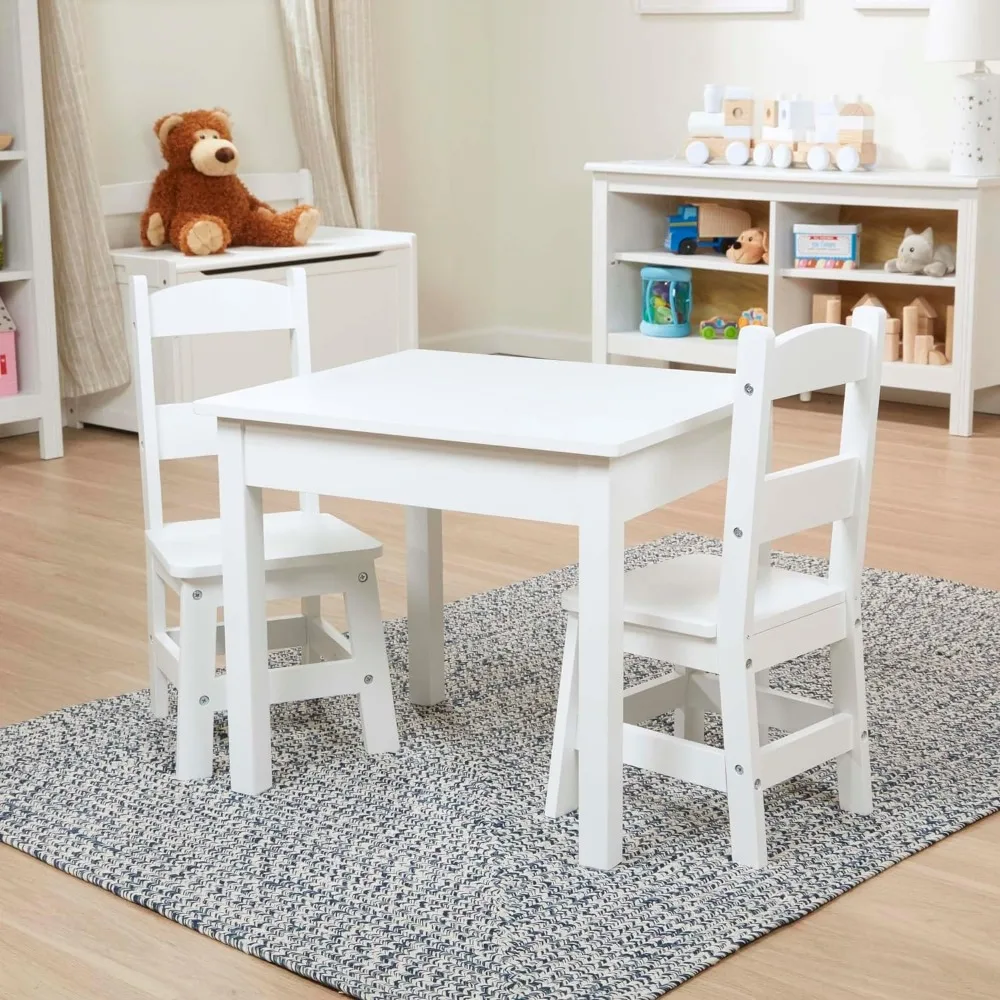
column 26, row 284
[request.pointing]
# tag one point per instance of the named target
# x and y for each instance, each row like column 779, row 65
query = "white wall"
column 434, row 86
column 147, row 58
column 580, row 80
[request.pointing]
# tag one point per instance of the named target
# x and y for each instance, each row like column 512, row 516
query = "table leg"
column 247, row 689
column 600, row 713
column 425, row 605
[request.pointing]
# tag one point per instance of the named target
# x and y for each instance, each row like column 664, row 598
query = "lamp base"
column 976, row 148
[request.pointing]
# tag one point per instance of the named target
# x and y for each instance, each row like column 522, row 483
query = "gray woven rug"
column 434, row 873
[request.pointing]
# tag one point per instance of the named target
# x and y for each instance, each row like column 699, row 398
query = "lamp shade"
column 963, row 30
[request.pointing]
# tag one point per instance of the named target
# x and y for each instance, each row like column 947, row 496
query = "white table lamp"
column 969, row 31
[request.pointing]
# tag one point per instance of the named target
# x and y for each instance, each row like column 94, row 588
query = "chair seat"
column 682, row 595
column 292, row 539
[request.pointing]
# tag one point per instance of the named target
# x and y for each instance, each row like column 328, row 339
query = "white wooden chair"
column 724, row 621
column 308, row 553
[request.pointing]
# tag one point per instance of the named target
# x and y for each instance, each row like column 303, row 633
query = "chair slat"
column 182, row 433
column 235, row 305
column 817, row 357
column 807, row 496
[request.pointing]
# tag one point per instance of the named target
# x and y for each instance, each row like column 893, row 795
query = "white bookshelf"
column 26, row 278
column 631, row 201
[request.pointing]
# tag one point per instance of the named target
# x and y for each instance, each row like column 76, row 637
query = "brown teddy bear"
column 750, row 248
column 199, row 204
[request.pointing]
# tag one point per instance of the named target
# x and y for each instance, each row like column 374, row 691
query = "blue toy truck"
column 704, row 226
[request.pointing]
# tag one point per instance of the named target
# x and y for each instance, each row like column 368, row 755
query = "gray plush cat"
column 918, row 255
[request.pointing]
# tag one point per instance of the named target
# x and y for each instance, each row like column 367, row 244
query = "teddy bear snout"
column 215, row 157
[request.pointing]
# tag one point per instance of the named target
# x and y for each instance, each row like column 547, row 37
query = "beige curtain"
column 93, row 354
column 328, row 47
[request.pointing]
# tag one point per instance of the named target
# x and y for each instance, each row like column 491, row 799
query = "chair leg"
column 564, row 772
column 311, row 612
column 156, row 622
column 689, row 719
column 378, row 712
column 763, row 683
column 195, row 685
column 738, row 690
column 854, row 775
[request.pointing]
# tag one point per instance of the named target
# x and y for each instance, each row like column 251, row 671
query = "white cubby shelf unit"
column 26, row 278
column 631, row 202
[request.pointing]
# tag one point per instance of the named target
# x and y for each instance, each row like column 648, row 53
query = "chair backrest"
column 762, row 505
column 201, row 308
column 132, row 197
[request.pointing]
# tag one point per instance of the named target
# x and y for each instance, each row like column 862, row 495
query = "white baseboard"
column 559, row 346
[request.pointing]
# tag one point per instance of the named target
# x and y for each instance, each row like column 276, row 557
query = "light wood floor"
column 72, row 628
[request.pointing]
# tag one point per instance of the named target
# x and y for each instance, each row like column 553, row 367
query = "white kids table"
column 568, row 443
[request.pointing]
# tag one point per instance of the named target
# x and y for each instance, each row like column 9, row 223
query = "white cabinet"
column 362, row 304
column 631, row 200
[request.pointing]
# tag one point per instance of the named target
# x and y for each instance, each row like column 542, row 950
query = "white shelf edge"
column 14, row 275
column 695, row 350
column 11, row 155
column 21, row 406
column 866, row 275
column 695, row 262
column 926, row 378
column 691, row 350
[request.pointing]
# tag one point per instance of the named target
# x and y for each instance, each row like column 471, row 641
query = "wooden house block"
column 893, row 326
column 738, row 112
column 937, row 358
column 769, row 111
column 891, row 347
column 949, row 336
column 922, row 350
column 911, row 329
column 926, row 309
column 869, row 300
column 827, row 308
column 926, row 326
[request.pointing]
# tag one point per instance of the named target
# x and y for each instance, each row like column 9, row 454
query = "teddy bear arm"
column 161, row 204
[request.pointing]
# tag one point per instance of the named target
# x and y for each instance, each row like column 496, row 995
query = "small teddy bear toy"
column 199, row 204
column 918, row 254
column 750, row 248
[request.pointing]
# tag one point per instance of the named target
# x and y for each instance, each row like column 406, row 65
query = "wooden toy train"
column 816, row 134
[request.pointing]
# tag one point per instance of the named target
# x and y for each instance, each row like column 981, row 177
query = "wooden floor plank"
column 72, row 628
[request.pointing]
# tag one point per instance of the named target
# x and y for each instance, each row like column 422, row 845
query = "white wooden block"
column 702, row 123
column 776, row 133
column 738, row 131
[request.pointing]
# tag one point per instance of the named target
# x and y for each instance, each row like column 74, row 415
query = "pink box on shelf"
column 8, row 364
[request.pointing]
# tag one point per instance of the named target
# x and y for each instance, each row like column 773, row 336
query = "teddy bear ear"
column 928, row 234
column 223, row 116
column 164, row 126
column 909, row 232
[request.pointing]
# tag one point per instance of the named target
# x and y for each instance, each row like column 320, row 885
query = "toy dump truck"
column 704, row 226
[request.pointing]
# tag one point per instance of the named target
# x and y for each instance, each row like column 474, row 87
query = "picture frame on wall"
column 715, row 6
column 892, row 4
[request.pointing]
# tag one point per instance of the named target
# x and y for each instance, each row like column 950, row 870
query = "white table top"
column 506, row 402
column 861, row 178
column 328, row 241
